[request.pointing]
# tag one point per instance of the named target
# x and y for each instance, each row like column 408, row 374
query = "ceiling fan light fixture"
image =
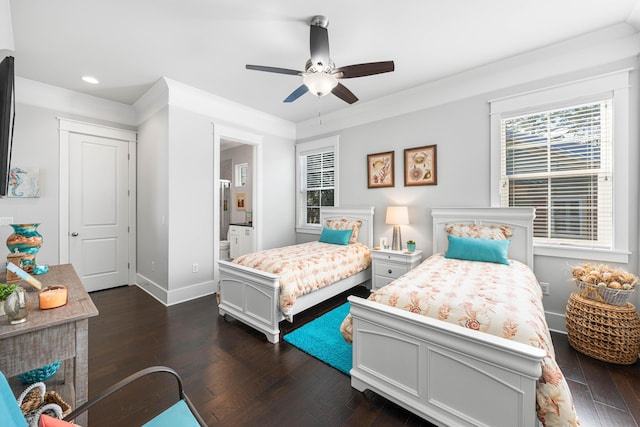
column 320, row 84
column 320, row 76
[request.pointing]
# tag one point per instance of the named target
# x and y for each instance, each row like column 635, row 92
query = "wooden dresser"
column 51, row 335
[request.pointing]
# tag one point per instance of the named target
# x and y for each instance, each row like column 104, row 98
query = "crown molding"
column 174, row 93
column 55, row 98
column 152, row 101
column 595, row 49
column 164, row 92
column 634, row 16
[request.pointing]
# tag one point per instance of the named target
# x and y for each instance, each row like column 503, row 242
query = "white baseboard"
column 556, row 322
column 176, row 296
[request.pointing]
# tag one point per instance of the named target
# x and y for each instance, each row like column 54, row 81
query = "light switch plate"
column 6, row 220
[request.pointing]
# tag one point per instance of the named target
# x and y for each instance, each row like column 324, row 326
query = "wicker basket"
column 617, row 297
column 35, row 400
column 603, row 331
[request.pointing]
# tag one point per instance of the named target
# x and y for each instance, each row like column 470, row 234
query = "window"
column 316, row 181
column 565, row 150
column 241, row 174
column 559, row 161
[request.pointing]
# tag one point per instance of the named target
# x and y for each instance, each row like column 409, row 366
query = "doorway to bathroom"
column 237, row 171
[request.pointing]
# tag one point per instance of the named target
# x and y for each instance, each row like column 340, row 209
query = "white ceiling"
column 129, row 44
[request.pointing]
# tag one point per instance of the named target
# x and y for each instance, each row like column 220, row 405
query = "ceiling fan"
column 320, row 76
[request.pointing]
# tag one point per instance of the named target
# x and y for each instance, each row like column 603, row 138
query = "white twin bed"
column 452, row 375
column 253, row 296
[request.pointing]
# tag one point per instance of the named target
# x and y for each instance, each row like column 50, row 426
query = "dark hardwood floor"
column 235, row 377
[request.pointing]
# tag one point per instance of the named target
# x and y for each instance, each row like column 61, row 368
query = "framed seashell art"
column 420, row 166
column 380, row 170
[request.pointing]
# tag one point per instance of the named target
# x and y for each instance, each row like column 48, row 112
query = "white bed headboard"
column 365, row 234
column 520, row 219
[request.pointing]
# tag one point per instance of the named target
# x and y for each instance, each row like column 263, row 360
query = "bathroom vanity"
column 241, row 239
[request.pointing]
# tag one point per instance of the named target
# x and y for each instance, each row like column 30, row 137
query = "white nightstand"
column 388, row 265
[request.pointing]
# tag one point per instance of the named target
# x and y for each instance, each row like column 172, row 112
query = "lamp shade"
column 397, row 215
column 320, row 84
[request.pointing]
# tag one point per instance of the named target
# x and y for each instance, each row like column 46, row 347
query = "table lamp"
column 397, row 216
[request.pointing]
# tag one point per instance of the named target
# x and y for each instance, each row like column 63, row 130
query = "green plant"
column 6, row 290
column 411, row 242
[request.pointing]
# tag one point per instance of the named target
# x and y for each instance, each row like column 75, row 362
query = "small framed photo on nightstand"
column 383, row 242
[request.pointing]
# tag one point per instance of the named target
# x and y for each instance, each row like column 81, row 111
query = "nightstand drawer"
column 392, row 257
column 387, row 265
column 389, row 270
column 380, row 281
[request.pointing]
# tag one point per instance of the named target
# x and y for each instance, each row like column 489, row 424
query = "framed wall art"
column 380, row 170
column 420, row 166
column 24, row 182
column 241, row 201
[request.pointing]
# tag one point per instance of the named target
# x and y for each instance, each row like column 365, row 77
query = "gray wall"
column 279, row 184
column 153, row 203
column 176, row 221
column 35, row 145
column 461, row 130
column 175, row 178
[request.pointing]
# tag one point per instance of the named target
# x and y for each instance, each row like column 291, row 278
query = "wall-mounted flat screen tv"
column 7, row 117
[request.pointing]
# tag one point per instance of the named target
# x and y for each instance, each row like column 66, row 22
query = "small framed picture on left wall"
column 380, row 170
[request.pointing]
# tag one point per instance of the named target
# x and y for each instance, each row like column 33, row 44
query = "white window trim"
column 615, row 83
column 303, row 148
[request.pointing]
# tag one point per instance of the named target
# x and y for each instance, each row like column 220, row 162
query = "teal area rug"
column 321, row 338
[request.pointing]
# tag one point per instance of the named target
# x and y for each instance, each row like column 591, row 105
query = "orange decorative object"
column 53, row 297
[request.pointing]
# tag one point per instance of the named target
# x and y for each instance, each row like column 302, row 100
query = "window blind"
column 560, row 162
column 318, row 183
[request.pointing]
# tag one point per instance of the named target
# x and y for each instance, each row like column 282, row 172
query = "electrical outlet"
column 195, row 268
column 153, row 266
column 6, row 220
column 545, row 288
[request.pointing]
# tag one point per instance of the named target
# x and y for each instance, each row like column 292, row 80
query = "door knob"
column 74, row 234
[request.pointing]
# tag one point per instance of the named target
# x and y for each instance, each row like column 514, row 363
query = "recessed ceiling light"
column 91, row 80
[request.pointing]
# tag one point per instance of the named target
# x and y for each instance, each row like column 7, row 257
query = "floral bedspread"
column 307, row 267
column 502, row 300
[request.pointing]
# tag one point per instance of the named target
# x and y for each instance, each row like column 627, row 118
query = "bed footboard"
column 445, row 373
column 251, row 296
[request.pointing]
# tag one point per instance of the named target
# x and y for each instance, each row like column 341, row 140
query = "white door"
column 98, row 210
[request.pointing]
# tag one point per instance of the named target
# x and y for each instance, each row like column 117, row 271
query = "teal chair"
column 11, row 414
column 182, row 413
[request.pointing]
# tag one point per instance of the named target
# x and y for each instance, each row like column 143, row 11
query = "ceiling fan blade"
column 297, row 94
column 361, row 70
column 345, row 94
column 274, row 70
column 319, row 47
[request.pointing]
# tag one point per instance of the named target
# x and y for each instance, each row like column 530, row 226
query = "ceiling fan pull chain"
column 320, row 110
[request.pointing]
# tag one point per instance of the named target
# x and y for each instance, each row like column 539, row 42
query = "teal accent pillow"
column 474, row 249
column 337, row 237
